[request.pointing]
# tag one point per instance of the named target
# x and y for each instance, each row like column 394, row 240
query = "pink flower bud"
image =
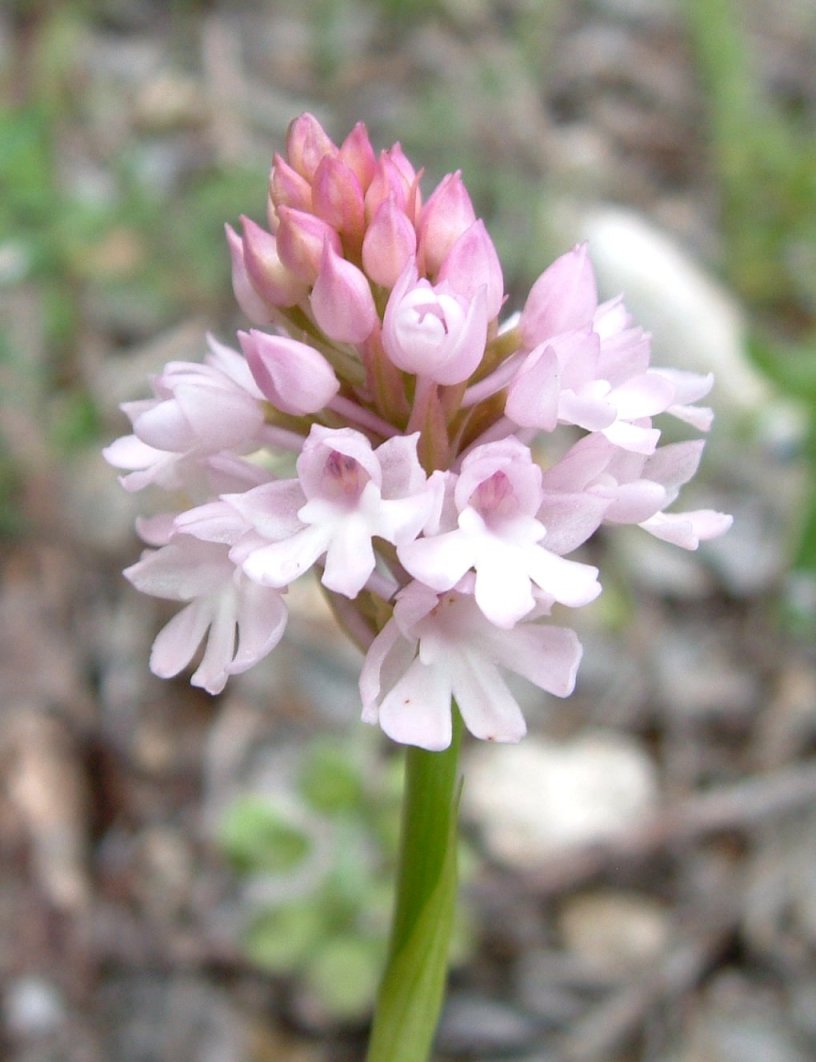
column 306, row 144
column 444, row 218
column 356, row 151
column 338, row 197
column 393, row 178
column 248, row 298
column 300, row 239
column 432, row 331
column 295, row 378
column 402, row 162
column 267, row 274
column 341, row 300
column 389, row 244
column 472, row 264
column 563, row 298
column 288, row 188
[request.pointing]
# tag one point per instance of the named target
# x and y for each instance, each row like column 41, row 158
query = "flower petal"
column 417, row 710
column 488, row 708
column 213, row 671
column 349, row 557
column 280, row 563
column 570, row 519
column 439, row 562
column 271, row 508
column 182, row 570
column 688, row 529
column 176, row 643
column 569, row 582
column 503, row 590
column 532, row 397
column 546, row 656
column 388, row 657
column 262, row 616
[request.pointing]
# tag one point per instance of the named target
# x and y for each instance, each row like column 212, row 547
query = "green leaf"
column 792, row 367
column 329, row 781
column 281, row 940
column 256, row 837
column 805, row 556
column 75, row 421
column 762, row 154
column 26, row 173
column 343, row 975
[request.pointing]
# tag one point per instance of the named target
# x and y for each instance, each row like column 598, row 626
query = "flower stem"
column 413, row 985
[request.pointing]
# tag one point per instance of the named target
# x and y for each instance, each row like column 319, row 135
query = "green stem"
column 413, row 986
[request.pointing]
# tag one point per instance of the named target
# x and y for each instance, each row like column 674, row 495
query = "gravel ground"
column 642, row 871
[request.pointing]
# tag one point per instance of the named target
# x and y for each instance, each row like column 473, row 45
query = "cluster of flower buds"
column 435, row 467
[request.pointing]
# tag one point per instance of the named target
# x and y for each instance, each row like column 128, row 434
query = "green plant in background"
column 763, row 154
column 82, row 250
column 324, row 854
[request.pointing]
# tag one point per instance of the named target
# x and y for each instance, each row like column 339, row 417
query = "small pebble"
column 473, row 1024
column 542, row 796
column 32, row 1007
column 614, row 931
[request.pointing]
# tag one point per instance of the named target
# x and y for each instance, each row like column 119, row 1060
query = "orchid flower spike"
column 381, row 427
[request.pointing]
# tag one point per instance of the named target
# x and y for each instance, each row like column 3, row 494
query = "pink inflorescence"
column 379, row 376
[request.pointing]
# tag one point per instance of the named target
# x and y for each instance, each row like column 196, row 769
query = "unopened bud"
column 295, row 378
column 300, row 239
column 402, row 162
column 256, row 309
column 471, row 264
column 389, row 244
column 338, row 197
column 341, row 300
column 563, row 298
column 356, row 151
column 287, row 187
column 444, row 218
column 306, row 144
column 389, row 180
column 267, row 274
column 433, row 331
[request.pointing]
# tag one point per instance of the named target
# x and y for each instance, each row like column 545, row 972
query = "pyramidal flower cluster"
column 380, row 426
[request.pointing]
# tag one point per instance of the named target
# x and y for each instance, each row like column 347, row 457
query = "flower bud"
column 267, row 274
column 306, row 144
column 390, row 179
column 356, row 151
column 471, row 264
column 300, row 239
column 389, row 244
column 338, row 197
column 341, row 300
column 295, row 378
column 398, row 157
column 444, row 218
column 248, row 298
column 432, row 331
column 563, row 298
column 288, row 188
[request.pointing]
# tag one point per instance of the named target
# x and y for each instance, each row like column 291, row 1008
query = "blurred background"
column 189, row 878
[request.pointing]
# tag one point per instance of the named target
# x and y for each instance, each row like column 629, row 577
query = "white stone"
column 541, row 796
column 613, row 930
column 32, row 1007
